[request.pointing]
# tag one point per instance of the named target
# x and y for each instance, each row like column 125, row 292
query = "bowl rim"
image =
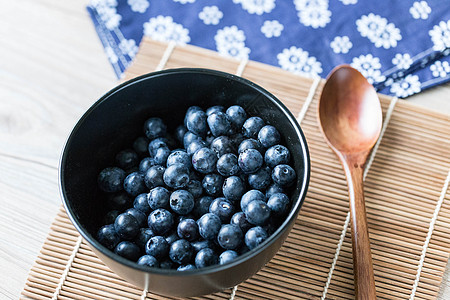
column 92, row 241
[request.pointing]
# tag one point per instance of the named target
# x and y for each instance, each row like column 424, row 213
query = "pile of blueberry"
column 219, row 193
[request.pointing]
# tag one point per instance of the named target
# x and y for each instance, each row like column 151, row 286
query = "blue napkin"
column 401, row 47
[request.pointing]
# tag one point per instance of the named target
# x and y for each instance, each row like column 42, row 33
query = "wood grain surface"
column 52, row 68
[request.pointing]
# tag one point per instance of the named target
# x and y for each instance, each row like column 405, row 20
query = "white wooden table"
column 52, row 68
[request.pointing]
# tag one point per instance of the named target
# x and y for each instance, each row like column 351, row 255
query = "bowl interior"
column 114, row 121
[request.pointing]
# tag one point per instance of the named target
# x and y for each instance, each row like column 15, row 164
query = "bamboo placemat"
column 407, row 202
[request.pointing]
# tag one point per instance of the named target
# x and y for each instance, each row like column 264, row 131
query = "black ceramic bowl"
column 113, row 123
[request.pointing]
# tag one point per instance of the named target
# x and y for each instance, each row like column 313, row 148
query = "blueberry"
column 194, row 146
column 179, row 157
column 201, row 206
column 189, row 111
column 250, row 144
column 186, row 267
column 188, row 230
column 126, row 226
column 119, row 201
column 138, row 215
column 140, row 146
column 158, row 198
column 127, row 159
column 237, row 116
column 206, row 257
column 283, row 175
column 222, row 208
column 166, row 264
column 145, row 164
column 148, row 261
column 129, row 250
column 157, row 246
column 161, row 155
column 181, row 202
column 250, row 196
column 213, row 109
column 233, row 188
column 227, row 165
column 250, row 160
column 154, row 128
column 110, row 180
column 180, row 131
column 160, row 221
column 204, row 160
column 143, row 236
column 230, row 237
column 227, row 256
column 277, row 155
column 156, row 144
column 134, row 184
column 208, row 226
column 278, row 204
column 195, row 188
column 196, row 122
column 108, row 237
column 257, row 212
column 141, row 203
column 240, row 220
column 189, row 137
column 154, row 176
column 269, row 136
column 261, row 179
column 181, row 252
column 219, row 124
column 199, row 245
column 251, row 127
column 255, row 236
column 172, row 237
column 222, row 145
column 273, row 189
column 176, row 176
column 111, row 216
column 212, row 184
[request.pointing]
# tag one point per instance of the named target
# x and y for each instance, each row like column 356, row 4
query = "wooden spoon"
column 350, row 118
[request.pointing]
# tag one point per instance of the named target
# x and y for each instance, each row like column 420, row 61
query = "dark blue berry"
column 206, row 257
column 181, row 202
column 204, row 160
column 145, row 164
column 252, row 126
column 156, row 144
column 172, row 237
column 188, row 230
column 227, row 256
column 222, row 208
column 110, row 180
column 161, row 155
column 222, row 145
column 140, row 145
column 166, row 264
column 157, row 246
column 194, row 146
column 119, row 201
column 219, row 124
column 111, row 216
column 129, row 250
column 138, row 215
column 154, row 128
column 189, row 111
column 250, row 196
column 201, row 206
column 181, row 252
column 195, row 188
column 154, row 177
column 148, row 261
column 189, row 137
column 261, row 179
column 126, row 226
column 176, row 176
column 213, row 109
column 250, row 144
column 278, row 204
column 233, row 188
column 180, row 131
column 202, row 244
column 179, row 157
column 212, row 184
column 250, row 161
column 134, row 184
column 108, row 237
column 230, row 237
column 141, row 203
column 186, row 267
column 240, row 220
column 227, row 165
column 208, row 226
column 127, row 159
column 196, row 122
column 277, row 155
column 237, row 116
column 143, row 236
column 273, row 189
column 257, row 212
column 269, row 136
column 255, row 236
column 283, row 175
column 160, row 221
column 158, row 198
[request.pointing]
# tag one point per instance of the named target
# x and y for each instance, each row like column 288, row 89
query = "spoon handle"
column 362, row 257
